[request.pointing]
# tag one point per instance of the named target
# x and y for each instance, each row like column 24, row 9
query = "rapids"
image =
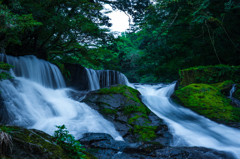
column 187, row 127
column 37, row 98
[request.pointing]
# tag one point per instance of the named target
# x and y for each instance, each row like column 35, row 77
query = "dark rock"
column 131, row 118
column 33, row 144
column 192, row 153
column 78, row 76
column 76, row 95
column 104, row 146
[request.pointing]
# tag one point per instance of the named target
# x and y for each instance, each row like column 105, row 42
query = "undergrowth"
column 67, row 142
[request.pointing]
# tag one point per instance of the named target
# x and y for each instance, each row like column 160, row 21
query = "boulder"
column 122, row 106
column 209, row 74
column 77, row 76
column 104, row 146
column 31, row 143
column 236, row 93
column 208, row 101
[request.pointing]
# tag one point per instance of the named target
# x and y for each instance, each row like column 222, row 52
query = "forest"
column 168, row 86
column 166, row 36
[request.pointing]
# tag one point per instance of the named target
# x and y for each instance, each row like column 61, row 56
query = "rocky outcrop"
column 209, row 74
column 31, row 143
column 77, row 76
column 103, row 146
column 208, row 101
column 236, row 93
column 122, row 106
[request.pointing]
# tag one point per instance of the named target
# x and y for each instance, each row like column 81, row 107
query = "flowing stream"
column 38, row 98
column 187, row 127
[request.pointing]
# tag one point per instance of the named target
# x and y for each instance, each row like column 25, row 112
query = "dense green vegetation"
column 210, row 74
column 167, row 35
column 4, row 67
column 178, row 34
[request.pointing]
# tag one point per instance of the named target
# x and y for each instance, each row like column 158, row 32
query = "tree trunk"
column 2, row 50
column 2, row 38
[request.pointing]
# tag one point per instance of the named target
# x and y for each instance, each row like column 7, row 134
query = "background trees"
column 167, row 35
column 177, row 34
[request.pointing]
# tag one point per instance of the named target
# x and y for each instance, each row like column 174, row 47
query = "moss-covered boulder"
column 236, row 94
column 209, row 74
column 208, row 101
column 224, row 87
column 31, row 143
column 122, row 106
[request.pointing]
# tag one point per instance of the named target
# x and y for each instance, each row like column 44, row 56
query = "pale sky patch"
column 119, row 20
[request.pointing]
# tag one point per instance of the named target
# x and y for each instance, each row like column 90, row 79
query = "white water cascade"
column 187, row 127
column 102, row 78
column 37, row 98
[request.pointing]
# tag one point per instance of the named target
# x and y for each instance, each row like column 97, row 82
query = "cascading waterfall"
column 103, row 78
column 36, row 98
column 36, row 70
column 232, row 90
column 187, row 127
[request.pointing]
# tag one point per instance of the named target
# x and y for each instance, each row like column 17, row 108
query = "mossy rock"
column 209, row 74
column 224, row 87
column 122, row 106
column 208, row 101
column 31, row 143
column 236, row 94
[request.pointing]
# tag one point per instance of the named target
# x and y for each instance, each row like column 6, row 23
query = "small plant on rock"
column 68, row 142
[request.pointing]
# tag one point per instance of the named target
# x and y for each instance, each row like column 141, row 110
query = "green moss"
column 208, row 101
column 38, row 141
column 236, row 94
column 109, row 111
column 133, row 108
column 223, row 85
column 130, row 94
column 135, row 118
column 23, row 137
column 209, row 74
column 146, row 133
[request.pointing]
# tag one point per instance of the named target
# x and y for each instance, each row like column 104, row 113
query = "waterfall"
column 35, row 69
column 93, row 80
column 37, row 98
column 187, row 127
column 102, row 78
column 232, row 90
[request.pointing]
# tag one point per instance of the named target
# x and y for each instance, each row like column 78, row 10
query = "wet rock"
column 33, row 144
column 78, row 77
column 104, row 146
column 122, row 106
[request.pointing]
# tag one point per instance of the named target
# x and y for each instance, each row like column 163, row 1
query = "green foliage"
column 7, row 129
column 210, row 74
column 3, row 74
column 68, row 142
column 5, row 66
column 208, row 101
column 178, row 34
